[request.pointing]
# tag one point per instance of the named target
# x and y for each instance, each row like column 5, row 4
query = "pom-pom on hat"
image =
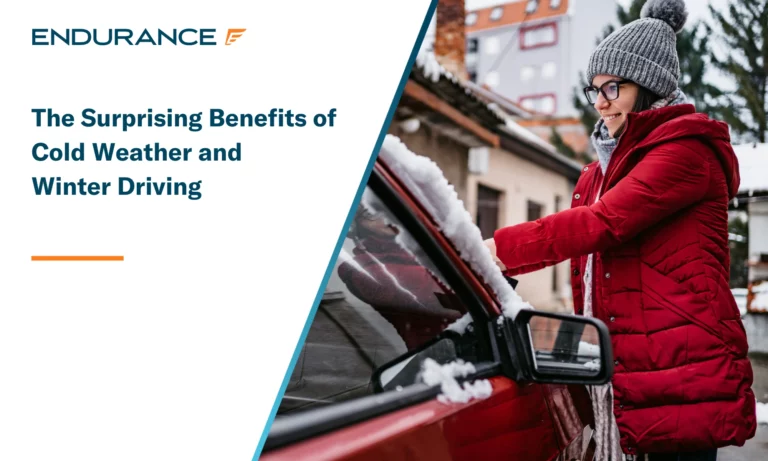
column 644, row 51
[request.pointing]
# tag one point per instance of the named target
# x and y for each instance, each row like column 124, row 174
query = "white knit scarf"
column 606, row 434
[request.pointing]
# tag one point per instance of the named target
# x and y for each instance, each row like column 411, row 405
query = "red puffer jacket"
column 660, row 237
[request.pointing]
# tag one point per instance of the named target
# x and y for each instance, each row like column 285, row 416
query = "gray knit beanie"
column 644, row 51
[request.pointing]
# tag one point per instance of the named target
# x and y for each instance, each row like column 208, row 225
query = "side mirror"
column 565, row 349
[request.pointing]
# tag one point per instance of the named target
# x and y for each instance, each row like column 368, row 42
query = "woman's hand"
column 491, row 245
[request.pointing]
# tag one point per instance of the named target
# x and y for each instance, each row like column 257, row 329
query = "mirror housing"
column 545, row 347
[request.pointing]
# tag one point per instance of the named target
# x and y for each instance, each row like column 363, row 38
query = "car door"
column 396, row 296
column 568, row 405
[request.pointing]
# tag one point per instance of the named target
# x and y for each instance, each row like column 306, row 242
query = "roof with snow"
column 753, row 168
column 476, row 102
column 429, row 73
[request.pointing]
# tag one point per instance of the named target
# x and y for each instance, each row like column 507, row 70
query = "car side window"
column 384, row 298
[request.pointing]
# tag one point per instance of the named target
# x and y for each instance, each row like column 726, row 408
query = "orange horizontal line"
column 77, row 258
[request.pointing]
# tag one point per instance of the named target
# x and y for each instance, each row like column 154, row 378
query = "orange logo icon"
column 232, row 35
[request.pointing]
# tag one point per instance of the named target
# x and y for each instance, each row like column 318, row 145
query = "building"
column 532, row 51
column 570, row 130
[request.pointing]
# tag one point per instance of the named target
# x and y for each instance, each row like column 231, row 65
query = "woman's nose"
column 601, row 103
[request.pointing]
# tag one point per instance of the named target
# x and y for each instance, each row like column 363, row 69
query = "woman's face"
column 614, row 113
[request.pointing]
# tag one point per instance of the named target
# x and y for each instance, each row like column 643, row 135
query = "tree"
column 557, row 141
column 745, row 35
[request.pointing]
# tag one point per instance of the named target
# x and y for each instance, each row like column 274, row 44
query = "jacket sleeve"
column 670, row 178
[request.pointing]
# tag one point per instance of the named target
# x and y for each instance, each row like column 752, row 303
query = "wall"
column 520, row 180
column 450, row 156
column 578, row 33
column 514, row 59
column 756, row 325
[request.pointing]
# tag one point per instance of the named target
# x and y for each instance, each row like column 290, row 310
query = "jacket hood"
column 671, row 123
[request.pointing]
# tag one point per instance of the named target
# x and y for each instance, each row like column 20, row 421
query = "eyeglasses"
column 609, row 89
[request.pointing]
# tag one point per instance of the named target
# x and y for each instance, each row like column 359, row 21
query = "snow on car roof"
column 753, row 164
column 424, row 179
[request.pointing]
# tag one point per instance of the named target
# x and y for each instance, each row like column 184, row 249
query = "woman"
column 647, row 235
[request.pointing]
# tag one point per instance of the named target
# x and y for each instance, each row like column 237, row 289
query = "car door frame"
column 476, row 297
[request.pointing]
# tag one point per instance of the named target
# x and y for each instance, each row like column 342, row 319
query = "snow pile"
column 527, row 135
column 451, row 391
column 427, row 62
column 760, row 301
column 753, row 163
column 593, row 365
column 424, row 179
column 494, row 107
column 762, row 413
column 590, row 350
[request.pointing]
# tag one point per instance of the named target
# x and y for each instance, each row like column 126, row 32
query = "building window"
column 547, row 105
column 554, row 4
column 488, row 204
column 542, row 103
column 492, row 79
column 534, row 210
column 532, row 6
column 491, row 45
column 471, row 19
column 472, row 73
column 472, row 45
column 549, row 70
column 527, row 73
column 538, row 36
column 496, row 13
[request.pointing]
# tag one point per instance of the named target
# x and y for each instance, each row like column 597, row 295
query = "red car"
column 412, row 292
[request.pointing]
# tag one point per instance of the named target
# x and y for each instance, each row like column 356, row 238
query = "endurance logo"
column 232, row 35
column 130, row 37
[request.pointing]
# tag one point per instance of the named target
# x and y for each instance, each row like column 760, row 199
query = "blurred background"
column 495, row 99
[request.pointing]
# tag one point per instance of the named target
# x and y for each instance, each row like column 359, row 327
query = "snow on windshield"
column 426, row 182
